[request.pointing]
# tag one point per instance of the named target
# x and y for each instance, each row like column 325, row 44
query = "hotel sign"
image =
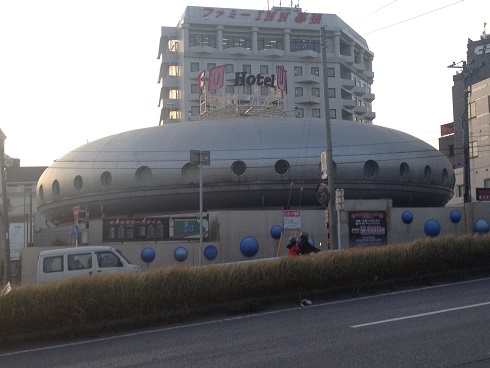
column 283, row 15
column 217, row 76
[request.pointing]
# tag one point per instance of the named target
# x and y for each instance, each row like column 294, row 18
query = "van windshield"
column 123, row 256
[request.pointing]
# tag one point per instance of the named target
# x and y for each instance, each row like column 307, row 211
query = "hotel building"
column 249, row 43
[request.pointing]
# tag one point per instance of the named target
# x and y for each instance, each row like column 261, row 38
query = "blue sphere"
column 249, row 246
column 455, row 216
column 276, row 231
column 407, row 217
column 432, row 228
column 481, row 226
column 180, row 254
column 210, row 252
column 148, row 255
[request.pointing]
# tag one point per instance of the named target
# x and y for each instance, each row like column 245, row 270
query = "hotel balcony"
column 307, row 79
column 358, row 90
column 369, row 97
column 307, row 100
column 369, row 115
column 271, row 53
column 202, row 49
column 349, row 104
column 240, row 51
column 360, row 110
column 305, row 54
column 348, row 84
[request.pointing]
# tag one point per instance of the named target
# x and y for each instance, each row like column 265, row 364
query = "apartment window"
column 451, row 150
column 194, row 88
column 230, row 89
column 330, row 72
column 264, row 69
column 264, row 90
column 315, row 92
column 175, row 115
column 229, row 68
column 298, row 70
column 473, row 149
column 173, row 45
column 331, row 92
column 304, row 44
column 195, row 111
column 264, row 43
column 210, row 66
column 333, row 114
column 174, row 94
column 247, row 90
column 460, row 190
column 230, row 41
column 202, row 40
column 247, row 68
column 315, row 113
column 299, row 112
column 194, row 67
column 298, row 91
column 315, row 71
column 174, row 71
column 486, row 183
column 472, row 110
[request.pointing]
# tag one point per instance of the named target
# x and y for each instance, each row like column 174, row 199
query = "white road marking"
column 421, row 315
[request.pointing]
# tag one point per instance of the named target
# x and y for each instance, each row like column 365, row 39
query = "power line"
column 417, row 16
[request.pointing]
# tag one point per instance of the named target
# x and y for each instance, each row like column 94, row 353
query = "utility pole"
column 5, row 209
column 467, row 73
column 332, row 215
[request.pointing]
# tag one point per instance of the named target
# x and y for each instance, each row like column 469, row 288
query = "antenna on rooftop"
column 484, row 34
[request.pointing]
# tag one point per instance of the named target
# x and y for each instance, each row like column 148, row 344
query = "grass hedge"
column 91, row 305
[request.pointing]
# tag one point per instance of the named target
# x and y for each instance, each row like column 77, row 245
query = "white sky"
column 76, row 71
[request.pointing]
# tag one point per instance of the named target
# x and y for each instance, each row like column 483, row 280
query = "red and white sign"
column 292, row 219
column 76, row 211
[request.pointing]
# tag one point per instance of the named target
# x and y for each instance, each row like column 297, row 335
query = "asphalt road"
column 439, row 326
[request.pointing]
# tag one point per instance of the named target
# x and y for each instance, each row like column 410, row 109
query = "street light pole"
column 200, row 158
column 5, row 213
column 332, row 215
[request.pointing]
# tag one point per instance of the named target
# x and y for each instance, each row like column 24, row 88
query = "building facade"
column 466, row 141
column 258, row 42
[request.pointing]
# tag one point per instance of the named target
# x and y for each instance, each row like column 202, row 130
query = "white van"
column 58, row 264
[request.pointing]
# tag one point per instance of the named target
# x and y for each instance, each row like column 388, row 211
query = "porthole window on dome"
column 41, row 193
column 370, row 169
column 190, row 172
column 78, row 182
column 445, row 177
column 427, row 173
column 106, row 178
column 404, row 169
column 238, row 168
column 56, row 188
column 282, row 167
column 144, row 175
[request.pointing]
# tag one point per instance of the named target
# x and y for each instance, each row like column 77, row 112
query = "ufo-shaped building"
column 254, row 163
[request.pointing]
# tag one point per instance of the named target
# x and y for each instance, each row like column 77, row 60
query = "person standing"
column 293, row 249
column 304, row 245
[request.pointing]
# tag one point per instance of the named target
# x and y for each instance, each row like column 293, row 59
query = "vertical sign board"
column 292, row 219
column 367, row 228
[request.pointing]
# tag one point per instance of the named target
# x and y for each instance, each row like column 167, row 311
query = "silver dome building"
column 255, row 163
